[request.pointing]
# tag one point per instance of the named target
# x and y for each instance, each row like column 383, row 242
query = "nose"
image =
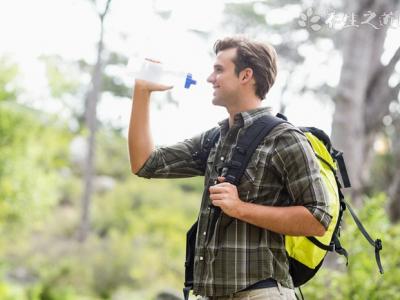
column 211, row 78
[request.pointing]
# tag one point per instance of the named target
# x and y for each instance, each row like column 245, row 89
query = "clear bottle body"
column 157, row 72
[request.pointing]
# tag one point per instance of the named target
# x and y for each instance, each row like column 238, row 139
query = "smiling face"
column 226, row 83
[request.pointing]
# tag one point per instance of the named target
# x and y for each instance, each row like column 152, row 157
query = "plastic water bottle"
column 157, row 72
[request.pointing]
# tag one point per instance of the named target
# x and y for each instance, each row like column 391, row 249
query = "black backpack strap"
column 377, row 244
column 244, row 150
column 211, row 139
column 247, row 145
column 338, row 156
column 189, row 261
column 339, row 249
column 186, row 291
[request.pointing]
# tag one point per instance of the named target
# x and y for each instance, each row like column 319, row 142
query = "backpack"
column 305, row 254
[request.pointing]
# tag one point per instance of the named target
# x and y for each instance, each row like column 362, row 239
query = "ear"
column 246, row 75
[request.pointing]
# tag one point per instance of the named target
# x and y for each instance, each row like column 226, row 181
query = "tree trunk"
column 362, row 48
column 394, row 188
column 91, row 122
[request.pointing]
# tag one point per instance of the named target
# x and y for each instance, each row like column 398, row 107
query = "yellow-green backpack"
column 306, row 254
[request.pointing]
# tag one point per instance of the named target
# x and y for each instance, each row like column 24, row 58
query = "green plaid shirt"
column 282, row 172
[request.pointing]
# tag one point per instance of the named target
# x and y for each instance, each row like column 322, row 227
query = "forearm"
column 140, row 141
column 291, row 220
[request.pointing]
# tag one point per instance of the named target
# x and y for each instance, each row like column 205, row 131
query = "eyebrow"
column 218, row 66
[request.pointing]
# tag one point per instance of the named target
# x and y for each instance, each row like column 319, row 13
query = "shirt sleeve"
column 301, row 174
column 174, row 161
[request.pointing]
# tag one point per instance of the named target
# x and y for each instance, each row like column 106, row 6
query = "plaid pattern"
column 282, row 172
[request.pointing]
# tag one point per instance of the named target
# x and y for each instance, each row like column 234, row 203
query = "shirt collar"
column 245, row 118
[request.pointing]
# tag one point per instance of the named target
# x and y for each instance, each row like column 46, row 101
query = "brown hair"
column 260, row 57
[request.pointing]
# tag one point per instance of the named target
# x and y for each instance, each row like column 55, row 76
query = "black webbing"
column 342, row 168
column 377, row 244
column 339, row 249
column 316, row 242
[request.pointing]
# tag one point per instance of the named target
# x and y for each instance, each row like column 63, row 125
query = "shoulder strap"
column 246, row 146
column 210, row 140
column 234, row 169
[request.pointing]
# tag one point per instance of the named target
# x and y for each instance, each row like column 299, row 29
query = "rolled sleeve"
column 175, row 161
column 149, row 167
column 302, row 175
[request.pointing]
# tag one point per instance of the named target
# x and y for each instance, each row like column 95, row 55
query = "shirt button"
column 222, row 158
column 201, row 257
column 204, row 233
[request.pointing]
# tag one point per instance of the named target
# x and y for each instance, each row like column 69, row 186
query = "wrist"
column 141, row 92
column 241, row 210
column 142, row 89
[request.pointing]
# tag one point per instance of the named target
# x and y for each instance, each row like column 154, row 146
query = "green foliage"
column 8, row 74
column 116, row 86
column 112, row 155
column 31, row 152
column 138, row 236
column 155, row 215
column 112, row 83
column 62, row 77
column 361, row 279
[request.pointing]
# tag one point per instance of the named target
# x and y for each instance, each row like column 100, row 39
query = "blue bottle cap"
column 189, row 81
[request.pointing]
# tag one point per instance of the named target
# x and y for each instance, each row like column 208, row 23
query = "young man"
column 281, row 192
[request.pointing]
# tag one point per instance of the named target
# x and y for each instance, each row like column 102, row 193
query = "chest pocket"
column 254, row 175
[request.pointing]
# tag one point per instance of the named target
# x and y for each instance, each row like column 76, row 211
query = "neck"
column 242, row 107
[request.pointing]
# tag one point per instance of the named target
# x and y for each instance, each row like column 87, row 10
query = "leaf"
column 303, row 17
column 302, row 23
column 315, row 19
column 316, row 27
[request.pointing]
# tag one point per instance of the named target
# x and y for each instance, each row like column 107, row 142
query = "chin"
column 216, row 101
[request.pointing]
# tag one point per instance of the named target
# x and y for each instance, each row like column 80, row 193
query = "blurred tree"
column 363, row 95
column 68, row 83
column 277, row 22
column 394, row 187
column 91, row 120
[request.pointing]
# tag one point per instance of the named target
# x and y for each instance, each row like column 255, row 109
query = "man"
column 281, row 192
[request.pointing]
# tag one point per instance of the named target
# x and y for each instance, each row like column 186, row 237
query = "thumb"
column 221, row 179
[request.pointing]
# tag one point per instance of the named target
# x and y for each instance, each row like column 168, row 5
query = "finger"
column 165, row 87
column 152, row 60
column 217, row 202
column 217, row 196
column 215, row 189
column 151, row 86
column 221, row 178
